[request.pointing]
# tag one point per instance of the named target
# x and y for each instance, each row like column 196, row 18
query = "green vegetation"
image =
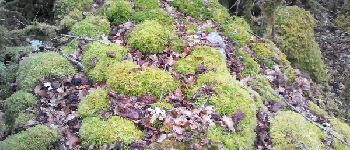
column 42, row 66
column 218, row 135
column 193, row 8
column 264, row 88
column 97, row 132
column 16, row 103
column 263, row 54
column 70, row 48
column 22, row 119
column 93, row 103
column 91, row 27
column 296, row 31
column 163, row 104
column 118, row 11
column 209, row 57
column 98, row 58
column 36, row 138
column 13, row 54
column 146, row 4
column 150, row 37
column 158, row 15
column 72, row 18
column 343, row 131
column 343, row 19
column 128, row 79
column 317, row 110
column 4, row 33
column 238, row 31
column 63, row 7
column 290, row 130
column 251, row 67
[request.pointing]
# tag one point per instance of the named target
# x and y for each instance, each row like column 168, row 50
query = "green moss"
column 264, row 88
column 296, row 37
column 118, row 11
column 93, row 103
column 251, row 67
column 218, row 135
column 36, row 138
column 219, row 13
column 146, row 4
column 238, row 31
column 91, row 27
column 97, row 132
column 163, row 104
column 63, row 7
column 158, row 15
column 37, row 30
column 343, row 19
column 264, row 55
column 194, row 8
column 13, row 54
column 70, row 48
column 150, row 37
column 290, row 130
column 72, row 18
column 101, row 54
column 128, row 79
column 23, row 119
column 317, row 110
column 42, row 66
column 15, row 104
column 343, row 131
column 4, row 33
column 201, row 55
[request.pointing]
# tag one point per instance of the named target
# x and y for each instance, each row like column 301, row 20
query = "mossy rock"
column 72, row 18
column 194, row 8
column 98, row 58
column 260, row 84
column 93, row 103
column 36, row 138
column 97, row 132
column 146, row 4
column 343, row 131
column 296, row 37
column 15, row 104
column 42, row 66
column 91, row 27
column 23, row 119
column 210, row 58
column 118, row 11
column 130, row 80
column 150, row 37
column 238, row 31
column 290, row 130
column 13, row 54
column 64, row 7
column 158, row 15
column 251, row 67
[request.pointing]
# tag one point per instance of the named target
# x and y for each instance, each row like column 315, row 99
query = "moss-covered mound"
column 72, row 18
column 238, row 31
column 36, row 138
column 15, row 104
column 343, row 19
column 99, row 58
column 97, row 132
column 194, row 8
column 128, row 79
column 296, row 37
column 42, row 66
column 118, row 11
column 290, row 130
column 201, row 56
column 13, row 54
column 93, row 103
column 91, row 27
column 63, row 7
column 251, row 67
column 150, row 37
column 264, row 88
column 343, row 131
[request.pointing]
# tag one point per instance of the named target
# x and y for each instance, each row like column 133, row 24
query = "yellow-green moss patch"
column 264, row 88
column 238, row 31
column 98, row 58
column 36, row 138
column 128, row 79
column 69, row 20
column 63, row 7
column 263, row 54
column 91, row 27
column 296, row 37
column 290, row 130
column 251, row 67
column 343, row 131
column 219, row 135
column 93, row 103
column 97, row 132
column 118, row 11
column 42, row 66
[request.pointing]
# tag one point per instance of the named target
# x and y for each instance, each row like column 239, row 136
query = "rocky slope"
column 149, row 74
